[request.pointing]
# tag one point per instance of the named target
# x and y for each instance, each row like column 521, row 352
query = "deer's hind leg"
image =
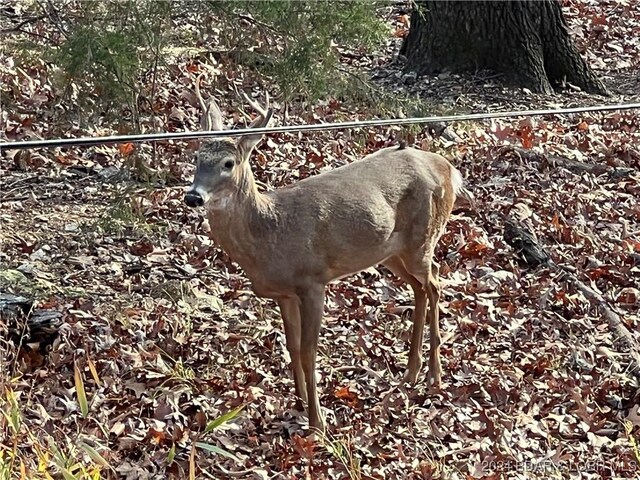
column 434, row 377
column 425, row 270
column 398, row 268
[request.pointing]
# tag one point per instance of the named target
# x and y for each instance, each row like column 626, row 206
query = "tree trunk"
column 528, row 41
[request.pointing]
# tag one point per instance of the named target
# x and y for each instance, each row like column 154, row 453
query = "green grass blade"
column 93, row 453
column 171, row 455
column 215, row 423
column 220, row 451
column 80, row 392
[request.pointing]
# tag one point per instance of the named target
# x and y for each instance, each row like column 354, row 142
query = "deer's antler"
column 264, row 113
column 211, row 115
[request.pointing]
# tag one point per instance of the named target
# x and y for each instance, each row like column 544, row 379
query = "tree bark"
column 528, row 41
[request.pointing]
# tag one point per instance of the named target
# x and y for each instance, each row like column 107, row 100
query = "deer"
column 390, row 207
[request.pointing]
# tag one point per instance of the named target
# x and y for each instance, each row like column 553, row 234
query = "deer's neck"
column 241, row 222
column 247, row 201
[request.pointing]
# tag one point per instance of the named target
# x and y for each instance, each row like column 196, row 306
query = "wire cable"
column 155, row 137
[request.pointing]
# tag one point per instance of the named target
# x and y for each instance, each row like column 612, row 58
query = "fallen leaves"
column 163, row 342
column 126, row 148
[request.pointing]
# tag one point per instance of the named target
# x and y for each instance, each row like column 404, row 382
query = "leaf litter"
column 161, row 334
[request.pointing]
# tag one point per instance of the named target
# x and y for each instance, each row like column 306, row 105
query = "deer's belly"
column 283, row 274
column 267, row 291
column 343, row 264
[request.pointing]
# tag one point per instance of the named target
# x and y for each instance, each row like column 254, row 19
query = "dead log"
column 524, row 244
column 22, row 324
column 574, row 166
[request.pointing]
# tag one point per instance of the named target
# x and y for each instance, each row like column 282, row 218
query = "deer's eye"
column 228, row 164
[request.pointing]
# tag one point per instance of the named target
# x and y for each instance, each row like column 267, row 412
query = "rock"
column 13, row 279
column 23, row 324
column 410, row 78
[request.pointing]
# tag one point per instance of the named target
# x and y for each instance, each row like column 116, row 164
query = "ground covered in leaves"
column 159, row 329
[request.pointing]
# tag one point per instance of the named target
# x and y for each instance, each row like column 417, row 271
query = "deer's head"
column 221, row 162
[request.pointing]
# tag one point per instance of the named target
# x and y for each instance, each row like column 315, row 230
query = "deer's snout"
column 193, row 199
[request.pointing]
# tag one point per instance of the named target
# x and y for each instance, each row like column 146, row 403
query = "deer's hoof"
column 434, row 381
column 318, row 427
column 410, row 377
column 299, row 405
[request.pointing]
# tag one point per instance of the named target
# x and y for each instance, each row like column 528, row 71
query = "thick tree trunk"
column 528, row 41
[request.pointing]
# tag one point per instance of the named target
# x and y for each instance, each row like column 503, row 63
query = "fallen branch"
column 622, row 335
column 574, row 166
column 534, row 255
column 19, row 26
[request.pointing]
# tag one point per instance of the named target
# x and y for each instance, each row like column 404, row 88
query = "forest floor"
column 160, row 331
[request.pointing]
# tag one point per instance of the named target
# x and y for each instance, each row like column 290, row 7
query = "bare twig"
column 51, row 12
column 364, row 368
column 621, row 335
column 19, row 26
column 527, row 246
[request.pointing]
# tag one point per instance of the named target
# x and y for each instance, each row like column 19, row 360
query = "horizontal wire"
column 154, row 137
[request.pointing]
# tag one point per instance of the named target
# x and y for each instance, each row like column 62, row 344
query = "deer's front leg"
column 290, row 311
column 311, row 310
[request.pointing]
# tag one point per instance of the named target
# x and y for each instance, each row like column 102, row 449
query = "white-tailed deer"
column 389, row 208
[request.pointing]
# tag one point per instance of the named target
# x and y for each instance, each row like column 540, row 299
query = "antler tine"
column 204, row 119
column 264, row 113
column 211, row 115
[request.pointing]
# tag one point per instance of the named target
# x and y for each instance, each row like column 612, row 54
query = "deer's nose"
column 193, row 199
